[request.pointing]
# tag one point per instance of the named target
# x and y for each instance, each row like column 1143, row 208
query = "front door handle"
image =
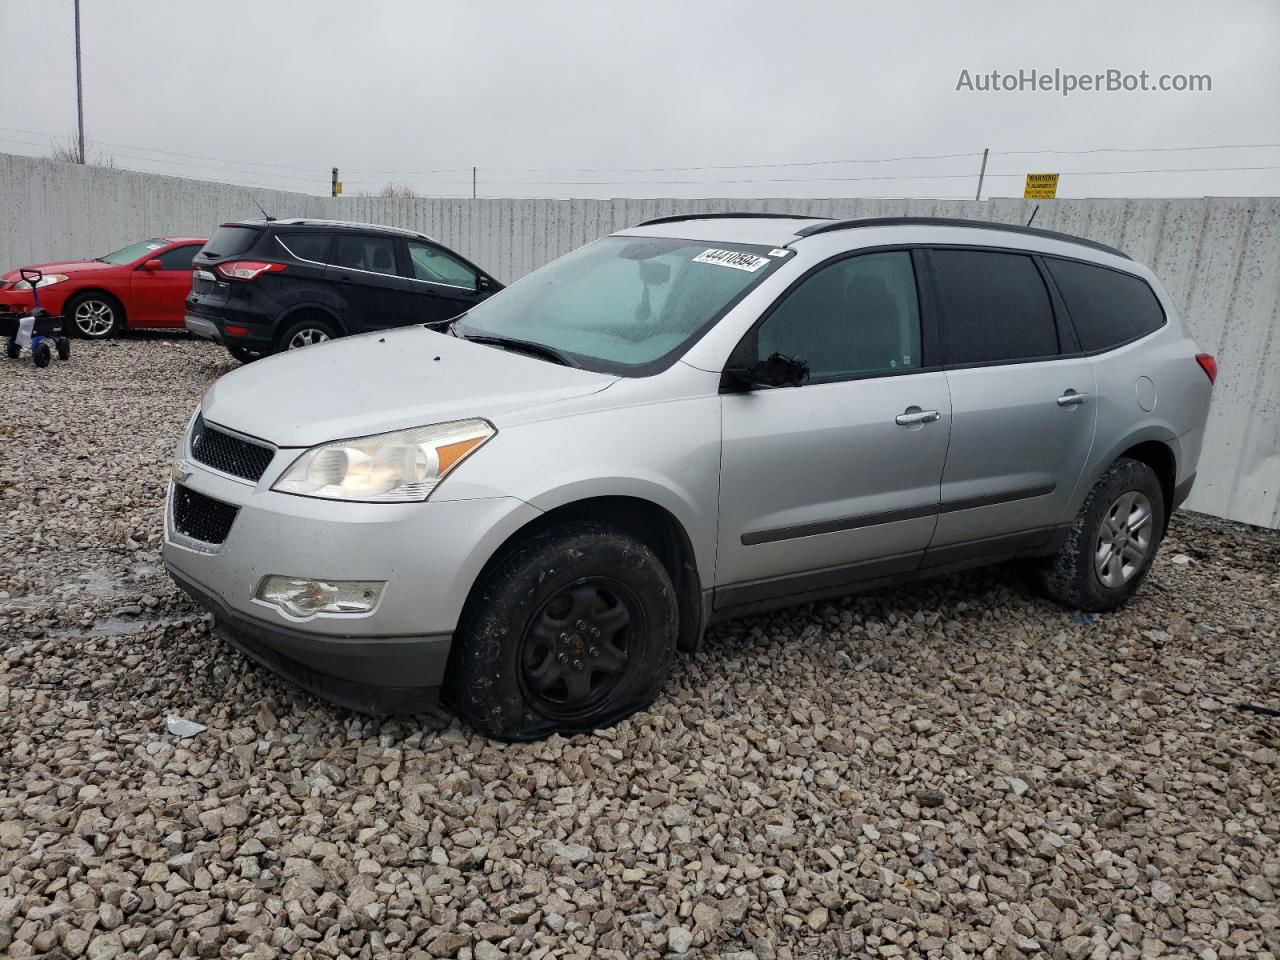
column 1072, row 399
column 916, row 416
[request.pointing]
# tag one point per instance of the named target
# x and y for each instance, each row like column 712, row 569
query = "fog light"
column 301, row 597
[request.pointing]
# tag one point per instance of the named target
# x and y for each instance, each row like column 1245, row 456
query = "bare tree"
column 68, row 151
column 397, row 191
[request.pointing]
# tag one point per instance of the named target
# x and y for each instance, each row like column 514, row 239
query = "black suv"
column 260, row 286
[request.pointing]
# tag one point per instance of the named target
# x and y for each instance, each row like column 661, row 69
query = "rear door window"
column 856, row 317
column 307, row 246
column 433, row 265
column 230, row 241
column 995, row 307
column 368, row 253
column 1108, row 308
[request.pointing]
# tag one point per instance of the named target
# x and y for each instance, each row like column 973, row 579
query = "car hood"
column 60, row 266
column 384, row 381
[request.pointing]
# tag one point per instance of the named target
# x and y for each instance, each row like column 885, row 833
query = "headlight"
column 386, row 468
column 48, row 280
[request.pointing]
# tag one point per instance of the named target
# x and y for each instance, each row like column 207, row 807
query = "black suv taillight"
column 248, row 269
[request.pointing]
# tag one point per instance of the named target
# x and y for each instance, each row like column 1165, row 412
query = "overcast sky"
column 574, row 98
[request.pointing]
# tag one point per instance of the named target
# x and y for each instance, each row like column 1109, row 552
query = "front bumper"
column 429, row 554
column 377, row 675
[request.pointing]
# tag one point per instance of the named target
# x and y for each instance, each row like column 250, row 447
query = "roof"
column 783, row 229
column 330, row 224
column 185, row 239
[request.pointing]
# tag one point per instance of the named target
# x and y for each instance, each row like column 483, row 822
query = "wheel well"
column 1160, row 459
column 649, row 523
column 307, row 313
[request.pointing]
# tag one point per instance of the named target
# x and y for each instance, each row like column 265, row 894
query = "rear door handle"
column 1072, row 399
column 917, row 416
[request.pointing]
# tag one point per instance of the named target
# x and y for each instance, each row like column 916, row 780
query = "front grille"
column 228, row 453
column 200, row 517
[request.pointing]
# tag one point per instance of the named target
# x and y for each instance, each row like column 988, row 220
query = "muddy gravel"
column 957, row 769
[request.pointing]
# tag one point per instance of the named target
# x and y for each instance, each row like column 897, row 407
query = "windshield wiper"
column 522, row 346
column 445, row 326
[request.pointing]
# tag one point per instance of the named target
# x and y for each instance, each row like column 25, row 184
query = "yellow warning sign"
column 337, row 188
column 1041, row 186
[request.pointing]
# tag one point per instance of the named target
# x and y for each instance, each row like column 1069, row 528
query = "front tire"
column 93, row 316
column 40, row 354
column 575, row 629
column 1112, row 541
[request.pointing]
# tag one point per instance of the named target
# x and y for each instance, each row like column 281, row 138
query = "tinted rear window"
column 1107, row 307
column 307, row 246
column 995, row 306
column 229, row 241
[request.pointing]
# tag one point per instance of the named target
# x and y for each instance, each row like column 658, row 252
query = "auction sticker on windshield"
column 732, row 258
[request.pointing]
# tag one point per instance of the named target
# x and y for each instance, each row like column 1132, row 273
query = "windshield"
column 133, row 251
column 627, row 305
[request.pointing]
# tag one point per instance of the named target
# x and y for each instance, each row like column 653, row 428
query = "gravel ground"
column 955, row 769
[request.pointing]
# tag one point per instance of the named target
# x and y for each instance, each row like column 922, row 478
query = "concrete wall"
column 1219, row 258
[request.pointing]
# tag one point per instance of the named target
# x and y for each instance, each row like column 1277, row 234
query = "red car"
column 142, row 286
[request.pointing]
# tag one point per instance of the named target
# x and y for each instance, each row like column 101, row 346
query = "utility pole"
column 473, row 183
column 79, row 90
column 982, row 173
column 335, row 185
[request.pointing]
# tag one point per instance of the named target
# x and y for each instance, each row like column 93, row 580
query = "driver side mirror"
column 153, row 265
column 777, row 371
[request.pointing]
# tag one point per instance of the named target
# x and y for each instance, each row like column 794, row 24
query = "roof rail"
column 354, row 224
column 955, row 222
column 726, row 216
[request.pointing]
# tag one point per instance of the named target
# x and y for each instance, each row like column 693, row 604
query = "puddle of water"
column 122, row 626
column 100, row 583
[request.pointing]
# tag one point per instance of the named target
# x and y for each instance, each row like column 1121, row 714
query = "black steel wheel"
column 572, row 630
column 574, row 651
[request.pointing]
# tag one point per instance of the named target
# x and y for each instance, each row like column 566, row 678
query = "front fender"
column 627, row 451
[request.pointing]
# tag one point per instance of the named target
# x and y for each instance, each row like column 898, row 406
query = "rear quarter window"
column 230, row 241
column 306, row 246
column 1108, row 308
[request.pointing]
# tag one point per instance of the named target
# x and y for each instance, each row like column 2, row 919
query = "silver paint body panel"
column 791, row 464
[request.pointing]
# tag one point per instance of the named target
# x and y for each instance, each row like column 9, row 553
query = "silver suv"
column 534, row 505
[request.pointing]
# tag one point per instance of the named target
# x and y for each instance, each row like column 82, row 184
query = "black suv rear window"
column 1108, row 308
column 307, row 246
column 229, row 241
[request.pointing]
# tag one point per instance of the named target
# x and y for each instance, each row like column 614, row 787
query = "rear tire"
column 243, row 354
column 11, row 349
column 64, row 348
column 93, row 316
column 305, row 333
column 40, row 354
column 573, row 630
column 1112, row 541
